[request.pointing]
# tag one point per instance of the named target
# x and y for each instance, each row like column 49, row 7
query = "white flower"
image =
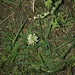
column 35, row 17
column 32, row 39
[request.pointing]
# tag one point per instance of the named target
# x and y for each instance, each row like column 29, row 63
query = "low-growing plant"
column 43, row 47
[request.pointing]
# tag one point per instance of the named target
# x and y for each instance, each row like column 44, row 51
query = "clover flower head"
column 32, row 39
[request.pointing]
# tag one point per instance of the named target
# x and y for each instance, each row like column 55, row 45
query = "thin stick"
column 33, row 5
column 7, row 17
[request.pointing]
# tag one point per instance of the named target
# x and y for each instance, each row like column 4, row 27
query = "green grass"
column 53, row 54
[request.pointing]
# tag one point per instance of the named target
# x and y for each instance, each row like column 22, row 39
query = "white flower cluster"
column 32, row 39
column 41, row 16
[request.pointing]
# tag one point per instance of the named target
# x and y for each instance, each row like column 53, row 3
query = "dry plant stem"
column 33, row 5
column 7, row 17
column 65, row 43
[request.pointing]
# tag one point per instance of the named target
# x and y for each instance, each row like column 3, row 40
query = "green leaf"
column 48, row 3
column 15, row 51
column 48, row 52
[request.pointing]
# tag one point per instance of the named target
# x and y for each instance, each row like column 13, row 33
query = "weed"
column 39, row 43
